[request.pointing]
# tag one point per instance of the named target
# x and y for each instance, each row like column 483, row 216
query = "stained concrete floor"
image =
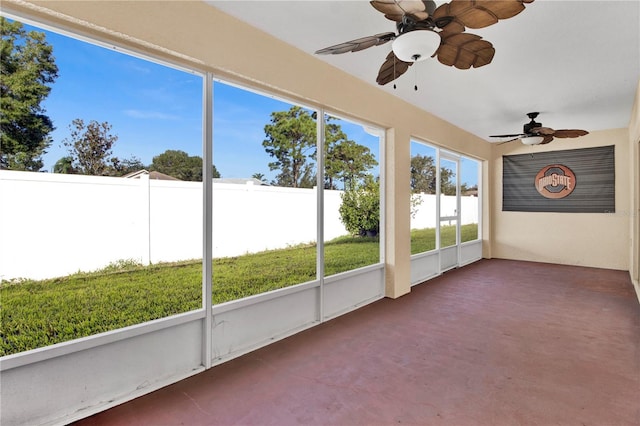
column 498, row 342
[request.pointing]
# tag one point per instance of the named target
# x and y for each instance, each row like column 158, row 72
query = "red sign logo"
column 555, row 181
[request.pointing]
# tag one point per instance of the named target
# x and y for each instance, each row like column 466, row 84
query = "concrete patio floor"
column 498, row 342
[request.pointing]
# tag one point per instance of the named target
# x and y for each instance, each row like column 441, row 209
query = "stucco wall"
column 588, row 239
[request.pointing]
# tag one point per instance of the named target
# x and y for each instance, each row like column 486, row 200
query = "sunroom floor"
column 498, row 342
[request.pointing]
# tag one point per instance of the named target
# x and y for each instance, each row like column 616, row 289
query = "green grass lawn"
column 40, row 313
column 425, row 239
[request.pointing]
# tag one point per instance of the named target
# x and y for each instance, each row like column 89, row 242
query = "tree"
column 180, row 165
column 122, row 167
column 447, row 187
column 64, row 165
column 90, row 147
column 27, row 66
column 291, row 141
column 360, row 208
column 423, row 176
column 333, row 167
column 348, row 161
column 258, row 176
column 90, row 152
column 215, row 172
column 345, row 159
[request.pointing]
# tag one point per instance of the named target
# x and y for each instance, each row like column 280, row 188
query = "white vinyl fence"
column 54, row 224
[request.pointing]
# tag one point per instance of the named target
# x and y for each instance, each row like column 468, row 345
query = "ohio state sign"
column 555, row 181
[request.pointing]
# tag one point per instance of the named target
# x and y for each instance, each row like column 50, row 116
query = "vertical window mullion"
column 458, row 204
column 207, row 215
column 320, row 135
column 479, row 195
column 383, row 199
column 438, row 201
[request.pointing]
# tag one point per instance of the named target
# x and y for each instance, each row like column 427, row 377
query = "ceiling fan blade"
column 396, row 9
column 480, row 14
column 516, row 136
column 464, row 50
column 391, row 69
column 453, row 17
column 357, row 44
column 447, row 22
column 546, row 140
column 570, row 133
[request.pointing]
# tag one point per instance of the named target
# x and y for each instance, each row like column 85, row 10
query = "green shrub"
column 121, row 265
column 360, row 208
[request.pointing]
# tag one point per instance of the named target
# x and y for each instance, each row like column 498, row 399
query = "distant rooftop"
column 152, row 175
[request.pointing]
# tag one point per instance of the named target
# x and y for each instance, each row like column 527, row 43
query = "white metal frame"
column 429, row 264
column 455, row 159
column 207, row 217
column 320, row 160
column 110, row 368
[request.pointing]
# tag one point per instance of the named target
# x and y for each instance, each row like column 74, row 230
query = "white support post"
column 438, row 201
column 207, row 222
column 145, row 220
column 320, row 127
column 382, row 231
column 458, row 210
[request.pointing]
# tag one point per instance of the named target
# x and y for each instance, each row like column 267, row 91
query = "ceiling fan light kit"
column 416, row 45
column 532, row 140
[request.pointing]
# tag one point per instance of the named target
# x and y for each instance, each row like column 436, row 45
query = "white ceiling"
column 575, row 61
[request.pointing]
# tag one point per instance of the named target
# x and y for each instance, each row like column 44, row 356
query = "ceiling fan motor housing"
column 530, row 126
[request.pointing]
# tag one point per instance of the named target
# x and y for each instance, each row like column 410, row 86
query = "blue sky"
column 153, row 108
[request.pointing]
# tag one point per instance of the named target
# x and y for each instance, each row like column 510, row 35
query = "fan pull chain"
column 415, row 79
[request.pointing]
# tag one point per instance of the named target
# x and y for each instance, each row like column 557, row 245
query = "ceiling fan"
column 534, row 134
column 426, row 31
